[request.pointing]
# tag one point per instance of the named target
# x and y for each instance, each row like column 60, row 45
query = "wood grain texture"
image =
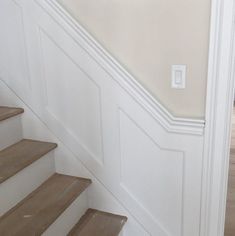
column 230, row 212
column 41, row 208
column 98, row 223
column 20, row 155
column 8, row 112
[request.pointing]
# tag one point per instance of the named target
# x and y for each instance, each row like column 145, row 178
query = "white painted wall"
column 146, row 159
column 148, row 36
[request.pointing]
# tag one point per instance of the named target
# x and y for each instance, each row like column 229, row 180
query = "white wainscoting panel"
column 149, row 160
column 13, row 48
column 73, row 98
column 153, row 175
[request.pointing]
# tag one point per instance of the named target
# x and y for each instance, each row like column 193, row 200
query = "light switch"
column 178, row 79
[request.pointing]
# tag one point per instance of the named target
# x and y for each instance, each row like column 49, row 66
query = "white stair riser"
column 10, row 131
column 23, row 183
column 69, row 217
column 121, row 233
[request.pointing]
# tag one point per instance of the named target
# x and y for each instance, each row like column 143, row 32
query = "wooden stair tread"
column 34, row 214
column 98, row 223
column 20, row 155
column 8, row 112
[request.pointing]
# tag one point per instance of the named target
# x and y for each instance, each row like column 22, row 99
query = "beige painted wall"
column 148, row 36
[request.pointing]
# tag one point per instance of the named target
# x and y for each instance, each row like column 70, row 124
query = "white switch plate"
column 178, row 76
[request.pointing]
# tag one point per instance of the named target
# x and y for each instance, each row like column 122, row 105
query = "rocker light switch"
column 178, row 76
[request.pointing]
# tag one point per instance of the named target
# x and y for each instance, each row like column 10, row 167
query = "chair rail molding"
column 220, row 98
column 121, row 75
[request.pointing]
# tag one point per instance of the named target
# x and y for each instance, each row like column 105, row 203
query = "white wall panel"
column 73, row 98
column 13, row 49
column 153, row 175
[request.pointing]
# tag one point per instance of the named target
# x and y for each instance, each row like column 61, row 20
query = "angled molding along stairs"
column 123, row 77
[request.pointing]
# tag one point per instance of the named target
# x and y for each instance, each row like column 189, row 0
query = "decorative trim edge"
column 220, row 97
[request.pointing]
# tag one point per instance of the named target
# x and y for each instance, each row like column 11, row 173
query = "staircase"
column 34, row 200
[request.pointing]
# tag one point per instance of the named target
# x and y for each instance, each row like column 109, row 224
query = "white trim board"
column 121, row 75
column 220, row 96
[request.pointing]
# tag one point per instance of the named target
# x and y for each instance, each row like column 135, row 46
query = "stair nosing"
column 86, row 218
column 31, row 161
column 37, row 190
column 17, row 112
